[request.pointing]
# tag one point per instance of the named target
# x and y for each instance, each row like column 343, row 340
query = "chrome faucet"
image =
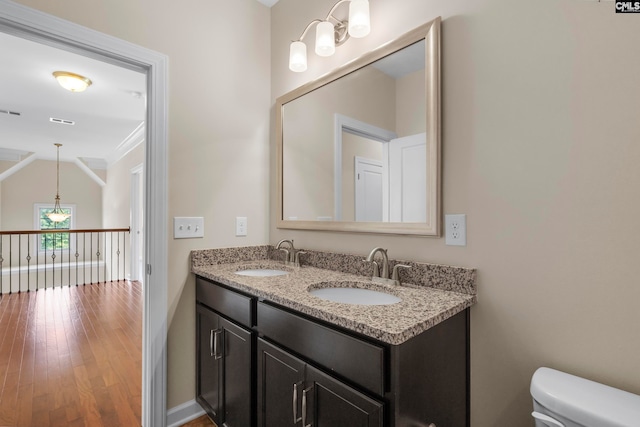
column 383, row 276
column 287, row 251
column 376, row 267
column 292, row 255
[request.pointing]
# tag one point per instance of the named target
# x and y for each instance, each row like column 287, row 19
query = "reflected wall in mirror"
column 359, row 149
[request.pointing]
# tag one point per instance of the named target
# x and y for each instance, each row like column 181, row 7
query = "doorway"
column 344, row 127
column 30, row 24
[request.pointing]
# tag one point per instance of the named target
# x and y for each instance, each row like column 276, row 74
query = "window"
column 54, row 241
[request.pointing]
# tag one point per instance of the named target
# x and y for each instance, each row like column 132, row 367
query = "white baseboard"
column 184, row 413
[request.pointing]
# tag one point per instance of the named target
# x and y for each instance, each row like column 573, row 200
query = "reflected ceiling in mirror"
column 359, row 149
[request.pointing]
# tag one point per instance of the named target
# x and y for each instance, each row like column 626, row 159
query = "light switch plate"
column 188, row 227
column 456, row 230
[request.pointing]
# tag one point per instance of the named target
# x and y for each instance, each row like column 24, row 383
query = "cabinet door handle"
column 216, row 345
column 295, row 402
column 304, row 407
column 211, row 351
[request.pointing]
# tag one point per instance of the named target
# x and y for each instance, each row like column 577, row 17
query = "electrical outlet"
column 188, row 227
column 456, row 230
column 241, row 226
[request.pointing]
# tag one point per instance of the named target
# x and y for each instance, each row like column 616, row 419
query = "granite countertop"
column 420, row 308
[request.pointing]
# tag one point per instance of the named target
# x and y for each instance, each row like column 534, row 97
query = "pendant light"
column 57, row 215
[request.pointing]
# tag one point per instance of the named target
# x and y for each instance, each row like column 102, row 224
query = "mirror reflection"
column 359, row 148
column 355, row 150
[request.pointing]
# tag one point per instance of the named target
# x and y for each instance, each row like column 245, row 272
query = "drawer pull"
column 295, row 403
column 216, row 345
column 211, row 333
column 304, row 407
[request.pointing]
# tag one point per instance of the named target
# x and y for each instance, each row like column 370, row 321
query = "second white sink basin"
column 352, row 295
column 261, row 272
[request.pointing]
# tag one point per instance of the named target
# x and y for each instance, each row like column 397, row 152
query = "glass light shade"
column 325, row 39
column 58, row 216
column 298, row 57
column 72, row 82
column 359, row 22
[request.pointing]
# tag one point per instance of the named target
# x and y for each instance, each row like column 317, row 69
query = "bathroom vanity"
column 271, row 354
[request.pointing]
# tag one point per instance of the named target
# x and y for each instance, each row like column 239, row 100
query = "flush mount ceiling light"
column 331, row 32
column 57, row 215
column 71, row 81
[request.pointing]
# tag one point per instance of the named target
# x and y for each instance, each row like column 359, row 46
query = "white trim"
column 12, row 155
column 93, row 163
column 53, row 266
column 15, row 168
column 356, row 127
column 270, row 3
column 40, row 27
column 184, row 413
column 134, row 139
column 84, row 168
column 136, row 175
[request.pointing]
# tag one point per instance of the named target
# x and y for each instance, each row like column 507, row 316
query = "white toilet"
column 564, row 400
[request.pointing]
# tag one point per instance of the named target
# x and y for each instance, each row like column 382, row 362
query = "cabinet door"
column 280, row 386
column 237, row 374
column 330, row 403
column 208, row 361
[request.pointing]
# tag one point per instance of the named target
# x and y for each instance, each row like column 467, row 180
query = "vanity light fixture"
column 57, row 215
column 331, row 32
column 72, row 81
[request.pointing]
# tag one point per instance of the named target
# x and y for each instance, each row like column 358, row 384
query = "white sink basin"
column 352, row 295
column 261, row 272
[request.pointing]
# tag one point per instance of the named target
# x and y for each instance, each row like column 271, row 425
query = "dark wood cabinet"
column 261, row 364
column 225, row 373
column 294, row 393
column 354, row 359
column 280, row 386
column 237, row 375
column 209, row 372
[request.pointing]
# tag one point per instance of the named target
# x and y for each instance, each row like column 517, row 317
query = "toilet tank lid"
column 583, row 401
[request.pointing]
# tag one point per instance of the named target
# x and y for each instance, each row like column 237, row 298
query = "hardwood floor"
column 203, row 421
column 72, row 356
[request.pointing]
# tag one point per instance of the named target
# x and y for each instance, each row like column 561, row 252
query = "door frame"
column 136, row 199
column 347, row 124
column 31, row 24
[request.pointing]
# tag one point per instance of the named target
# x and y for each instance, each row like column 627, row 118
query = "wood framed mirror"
column 359, row 149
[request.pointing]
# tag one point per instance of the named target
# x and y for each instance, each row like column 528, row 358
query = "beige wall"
column 6, row 164
column 116, row 195
column 540, row 137
column 36, row 183
column 540, row 151
column 308, row 155
column 219, row 75
column 411, row 104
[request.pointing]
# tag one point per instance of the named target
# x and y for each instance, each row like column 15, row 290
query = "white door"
column 408, row 178
column 137, row 224
column 368, row 183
